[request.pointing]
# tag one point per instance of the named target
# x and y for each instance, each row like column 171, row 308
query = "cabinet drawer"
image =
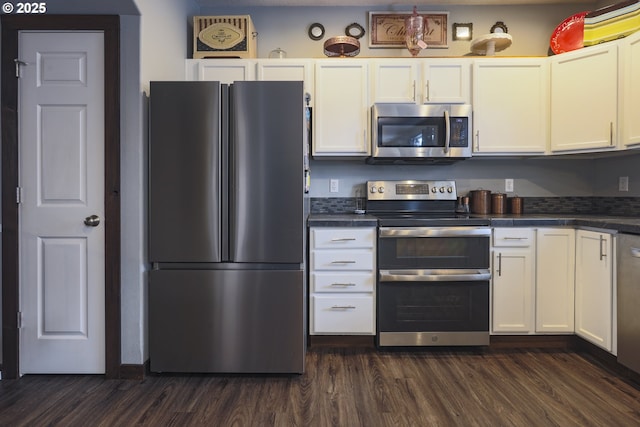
column 344, row 237
column 342, row 282
column 350, row 259
column 513, row 237
column 342, row 315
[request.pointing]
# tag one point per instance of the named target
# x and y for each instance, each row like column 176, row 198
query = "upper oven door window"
column 398, row 251
column 411, row 132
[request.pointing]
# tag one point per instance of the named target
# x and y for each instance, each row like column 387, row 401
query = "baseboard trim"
column 134, row 372
column 550, row 342
column 341, row 341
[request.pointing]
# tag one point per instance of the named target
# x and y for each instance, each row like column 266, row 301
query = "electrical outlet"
column 623, row 183
column 508, row 185
column 334, row 186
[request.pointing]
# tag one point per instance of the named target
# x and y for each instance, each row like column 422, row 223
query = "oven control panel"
column 411, row 190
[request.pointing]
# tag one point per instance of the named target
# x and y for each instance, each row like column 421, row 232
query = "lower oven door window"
column 433, row 313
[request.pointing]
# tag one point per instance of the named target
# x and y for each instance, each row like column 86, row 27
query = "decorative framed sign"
column 386, row 29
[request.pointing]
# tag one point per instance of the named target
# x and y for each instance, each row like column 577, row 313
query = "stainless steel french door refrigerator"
column 226, row 227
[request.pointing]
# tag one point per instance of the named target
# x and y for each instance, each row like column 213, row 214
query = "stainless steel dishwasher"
column 629, row 300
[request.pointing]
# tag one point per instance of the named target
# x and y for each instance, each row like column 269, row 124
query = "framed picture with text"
column 386, row 29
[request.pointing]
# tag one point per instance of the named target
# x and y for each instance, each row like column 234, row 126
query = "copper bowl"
column 342, row 46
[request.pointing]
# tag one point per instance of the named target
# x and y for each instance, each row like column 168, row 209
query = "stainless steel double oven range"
column 433, row 266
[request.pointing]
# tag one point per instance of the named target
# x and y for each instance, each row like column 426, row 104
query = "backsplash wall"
column 533, row 177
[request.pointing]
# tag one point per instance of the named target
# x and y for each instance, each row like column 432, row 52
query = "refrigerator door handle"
column 226, row 179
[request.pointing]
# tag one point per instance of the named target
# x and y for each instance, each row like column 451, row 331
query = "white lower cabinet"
column 555, row 277
column 594, row 287
column 533, row 280
column 342, row 280
column 513, row 280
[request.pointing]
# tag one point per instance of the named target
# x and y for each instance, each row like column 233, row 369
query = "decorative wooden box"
column 611, row 22
column 224, row 37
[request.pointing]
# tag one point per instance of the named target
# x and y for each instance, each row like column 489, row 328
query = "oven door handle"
column 435, row 232
column 465, row 275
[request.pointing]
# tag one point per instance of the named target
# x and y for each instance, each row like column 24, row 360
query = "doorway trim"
column 11, row 25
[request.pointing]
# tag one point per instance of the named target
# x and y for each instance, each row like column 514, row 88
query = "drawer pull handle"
column 343, row 285
column 343, row 262
column 343, row 307
column 515, row 238
column 635, row 252
column 343, row 239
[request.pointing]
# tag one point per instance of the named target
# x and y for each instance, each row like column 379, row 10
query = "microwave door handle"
column 447, row 131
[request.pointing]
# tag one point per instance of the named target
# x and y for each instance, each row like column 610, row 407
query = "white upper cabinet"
column 422, row 81
column 584, row 99
column 287, row 70
column 446, row 81
column 395, row 80
column 510, row 106
column 341, row 113
column 630, row 63
column 225, row 71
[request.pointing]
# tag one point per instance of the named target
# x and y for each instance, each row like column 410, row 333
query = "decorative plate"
column 569, row 35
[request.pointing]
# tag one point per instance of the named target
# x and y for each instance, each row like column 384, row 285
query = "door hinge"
column 19, row 320
column 18, row 64
column 18, row 195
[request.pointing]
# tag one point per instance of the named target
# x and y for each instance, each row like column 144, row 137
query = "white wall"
column 608, row 170
column 530, row 26
column 532, row 177
column 164, row 35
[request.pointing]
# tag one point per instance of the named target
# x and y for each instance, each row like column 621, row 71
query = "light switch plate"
column 334, row 186
column 508, row 185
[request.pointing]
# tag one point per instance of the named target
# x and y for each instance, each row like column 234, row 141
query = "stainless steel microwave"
column 409, row 133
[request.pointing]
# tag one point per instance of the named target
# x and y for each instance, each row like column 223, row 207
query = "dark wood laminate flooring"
column 345, row 387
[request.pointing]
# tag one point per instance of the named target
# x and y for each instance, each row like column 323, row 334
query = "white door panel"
column 61, row 134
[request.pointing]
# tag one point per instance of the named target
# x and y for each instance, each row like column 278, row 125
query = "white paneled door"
column 62, row 240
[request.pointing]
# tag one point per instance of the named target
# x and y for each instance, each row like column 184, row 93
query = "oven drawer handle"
column 435, row 232
column 343, row 307
column 343, row 239
column 435, row 275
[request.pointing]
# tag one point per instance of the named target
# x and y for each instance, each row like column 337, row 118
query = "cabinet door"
column 342, row 108
column 225, row 71
column 594, row 287
column 555, row 274
column 446, row 81
column 342, row 315
column 584, row 99
column 510, row 106
column 512, row 279
column 394, row 81
column 287, row 70
column 630, row 58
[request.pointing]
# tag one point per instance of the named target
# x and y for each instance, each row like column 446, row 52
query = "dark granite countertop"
column 342, row 220
column 614, row 223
